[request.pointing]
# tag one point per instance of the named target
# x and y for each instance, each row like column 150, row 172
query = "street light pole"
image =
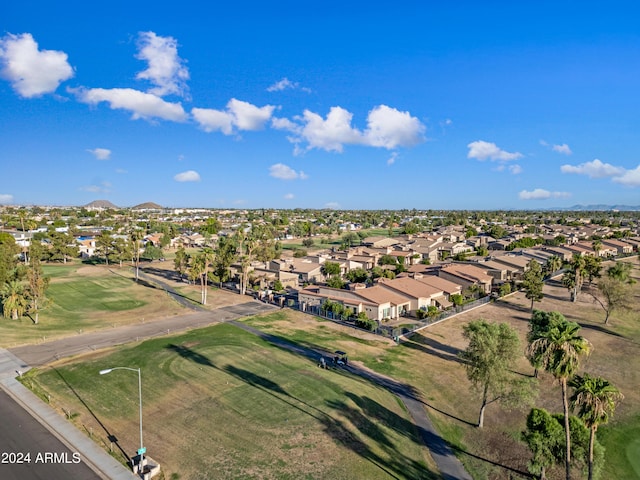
column 142, row 450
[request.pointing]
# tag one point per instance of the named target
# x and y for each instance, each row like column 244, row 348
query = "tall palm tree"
column 14, row 299
column 595, row 399
column 574, row 278
column 558, row 349
column 553, row 264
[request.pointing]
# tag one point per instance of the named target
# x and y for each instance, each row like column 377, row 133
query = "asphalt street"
column 48, row 458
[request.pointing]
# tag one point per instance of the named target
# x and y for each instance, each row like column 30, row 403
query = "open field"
column 222, row 403
column 429, row 362
column 85, row 298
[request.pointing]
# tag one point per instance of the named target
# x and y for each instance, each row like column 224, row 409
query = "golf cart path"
column 449, row 465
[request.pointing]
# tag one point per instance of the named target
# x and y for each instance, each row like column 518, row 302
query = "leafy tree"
column 482, row 251
column 387, row 260
column 492, row 350
column 277, row 286
column 181, row 261
column 212, row 226
column 410, row 228
column 299, row 253
column 613, row 295
column 104, row 245
column 151, row 252
column 225, row 255
column 63, row 247
column 308, row 242
column 37, row 283
column 335, row 282
column 558, row 349
column 595, row 399
column 543, row 436
column 505, row 289
column 532, row 282
column 349, row 239
column 457, row 299
column 330, row 269
column 357, row 275
column 8, row 257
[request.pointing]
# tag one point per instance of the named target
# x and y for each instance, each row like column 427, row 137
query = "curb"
column 105, row 466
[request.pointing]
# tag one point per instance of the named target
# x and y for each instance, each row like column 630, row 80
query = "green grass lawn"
column 83, row 298
column 222, row 403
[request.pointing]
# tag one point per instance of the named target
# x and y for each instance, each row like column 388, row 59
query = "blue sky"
column 370, row 105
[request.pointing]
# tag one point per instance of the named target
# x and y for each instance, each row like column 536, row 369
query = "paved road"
column 27, row 436
column 47, row 352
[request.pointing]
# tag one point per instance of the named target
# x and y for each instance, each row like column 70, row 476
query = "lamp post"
column 142, row 450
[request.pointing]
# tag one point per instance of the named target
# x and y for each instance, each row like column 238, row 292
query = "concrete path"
column 27, row 437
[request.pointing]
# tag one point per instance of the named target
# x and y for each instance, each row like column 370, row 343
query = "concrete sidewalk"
column 93, row 456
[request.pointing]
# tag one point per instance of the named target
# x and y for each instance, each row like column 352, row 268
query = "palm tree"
column 14, row 299
column 553, row 264
column 558, row 349
column 595, row 399
column 574, row 278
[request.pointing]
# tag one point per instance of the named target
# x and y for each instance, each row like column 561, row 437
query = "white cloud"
column 238, row 115
column 141, row 104
column 332, row 205
column 100, row 153
column 121, row 171
column 285, row 172
column 32, row 72
column 541, row 194
column 188, row 176
column 564, row 149
column 386, row 127
column 482, row 150
column 283, row 84
column 330, row 134
column 392, row 159
column 286, row 84
column 391, row 128
column 211, row 120
column 289, row 196
column 515, row 169
column 166, row 69
column 5, row 198
column 630, row 178
column 593, row 169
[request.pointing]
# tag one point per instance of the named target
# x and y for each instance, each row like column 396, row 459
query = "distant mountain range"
column 601, row 207
column 106, row 204
column 100, row 204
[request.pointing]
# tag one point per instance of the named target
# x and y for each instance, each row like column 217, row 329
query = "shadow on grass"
column 397, row 466
column 431, row 346
column 461, row 451
column 110, row 436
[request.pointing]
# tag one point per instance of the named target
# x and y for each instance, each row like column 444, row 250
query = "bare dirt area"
column 615, row 355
